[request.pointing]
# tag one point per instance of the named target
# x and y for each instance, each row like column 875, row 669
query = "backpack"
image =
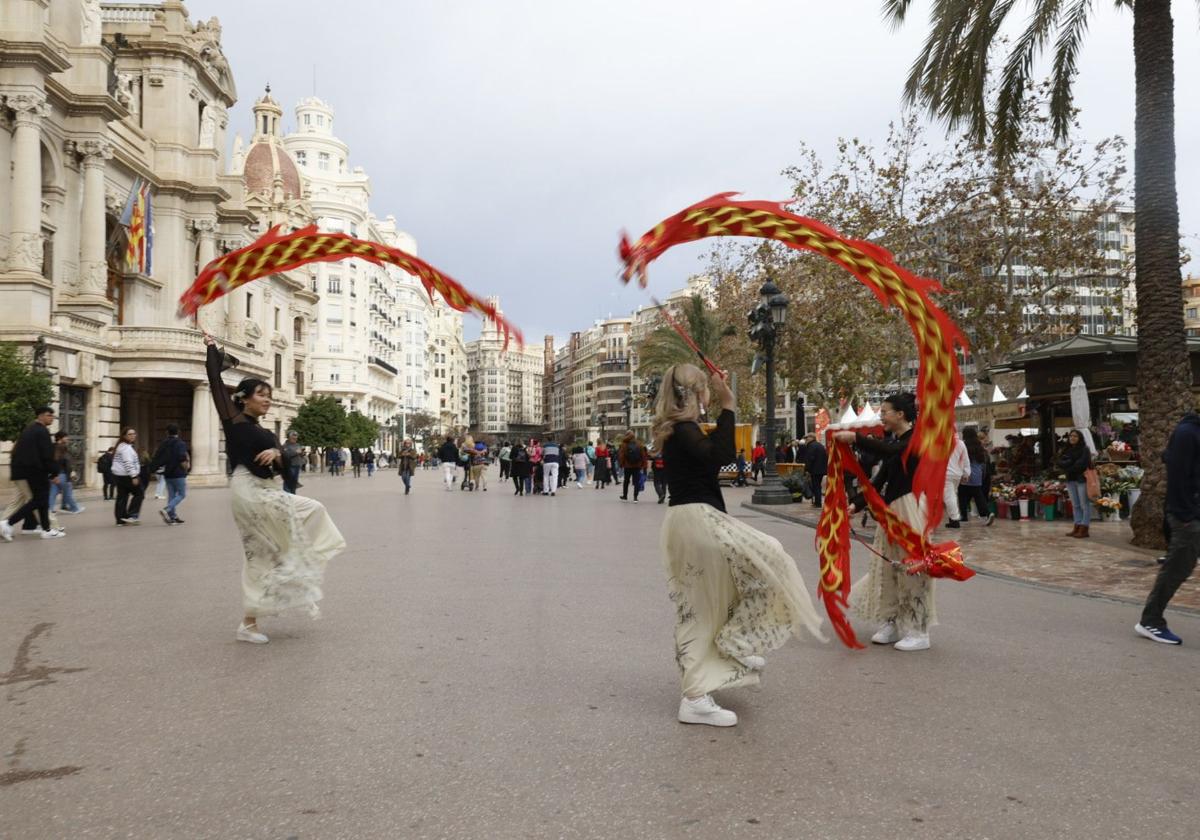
column 633, row 454
column 520, row 456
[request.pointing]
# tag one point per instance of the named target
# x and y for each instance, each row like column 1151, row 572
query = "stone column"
column 211, row 317
column 25, row 241
column 93, row 270
column 203, row 457
column 5, row 180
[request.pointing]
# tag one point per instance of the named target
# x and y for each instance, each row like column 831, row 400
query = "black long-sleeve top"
column 33, row 454
column 895, row 476
column 696, row 460
column 244, row 437
column 1074, row 461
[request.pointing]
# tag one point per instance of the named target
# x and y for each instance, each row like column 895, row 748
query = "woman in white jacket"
column 125, row 469
column 956, row 470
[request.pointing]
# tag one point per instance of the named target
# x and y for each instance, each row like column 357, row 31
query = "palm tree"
column 949, row 78
column 664, row 347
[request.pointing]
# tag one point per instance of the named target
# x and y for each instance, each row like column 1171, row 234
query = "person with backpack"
column 479, row 465
column 104, row 467
column 172, row 458
column 633, row 459
column 519, row 468
column 369, row 460
column 64, row 487
column 971, row 488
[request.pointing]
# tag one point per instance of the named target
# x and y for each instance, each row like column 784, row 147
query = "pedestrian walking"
column 64, row 487
column 816, row 465
column 408, row 463
column 466, row 457
column 552, row 462
column 293, row 462
column 758, row 460
column 520, row 468
column 33, row 469
column 632, row 458
column 505, row 460
column 579, row 463
column 127, row 473
column 737, row 594
column 590, row 451
column 175, row 462
column 971, row 488
column 1075, row 459
column 740, row 466
column 287, row 539
column 356, row 461
column 957, row 468
column 602, row 470
column 1182, row 506
column 104, row 467
column 533, row 484
column 901, row 603
column 448, row 454
column 369, row 462
column 479, row 465
column 660, row 475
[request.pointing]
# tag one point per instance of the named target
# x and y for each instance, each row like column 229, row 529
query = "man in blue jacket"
column 172, row 456
column 1182, row 457
column 552, row 459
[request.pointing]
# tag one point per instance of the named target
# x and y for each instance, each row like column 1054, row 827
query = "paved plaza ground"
column 498, row 667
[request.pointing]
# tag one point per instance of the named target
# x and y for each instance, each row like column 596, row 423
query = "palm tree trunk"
column 1164, row 369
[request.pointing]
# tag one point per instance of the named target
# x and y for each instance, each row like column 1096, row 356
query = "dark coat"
column 448, row 452
column 816, row 460
column 520, row 468
column 1182, row 457
column 1074, row 461
column 33, row 454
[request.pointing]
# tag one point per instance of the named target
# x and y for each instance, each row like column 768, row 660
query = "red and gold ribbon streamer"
column 938, row 342
column 273, row 253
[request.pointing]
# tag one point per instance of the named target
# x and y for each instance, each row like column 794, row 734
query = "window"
column 275, row 322
column 323, row 160
column 299, row 374
column 321, row 121
column 249, row 305
column 302, row 158
column 308, row 119
column 1191, row 313
column 335, row 285
column 335, row 346
column 278, row 370
column 298, row 330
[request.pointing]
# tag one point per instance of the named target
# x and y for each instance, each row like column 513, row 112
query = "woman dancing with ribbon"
column 287, row 539
column 737, row 593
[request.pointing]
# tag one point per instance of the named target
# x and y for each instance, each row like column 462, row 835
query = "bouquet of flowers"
column 1107, row 505
column 1052, row 488
column 1025, row 491
column 1131, row 476
column 1002, row 491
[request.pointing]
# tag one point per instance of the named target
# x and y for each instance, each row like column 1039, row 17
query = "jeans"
column 581, row 475
column 291, row 479
column 549, row 476
column 448, row 474
column 176, row 491
column 129, row 497
column 1081, row 505
column 67, row 492
column 407, row 478
column 370, row 468
column 1180, row 563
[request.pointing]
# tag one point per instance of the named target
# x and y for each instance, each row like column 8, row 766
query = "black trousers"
column 969, row 492
column 630, row 475
column 39, row 502
column 129, row 497
column 504, row 465
column 518, row 485
column 660, row 484
column 110, row 487
column 815, row 481
column 1180, row 563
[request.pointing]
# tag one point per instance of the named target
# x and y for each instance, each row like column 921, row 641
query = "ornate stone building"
column 506, row 386
column 95, row 97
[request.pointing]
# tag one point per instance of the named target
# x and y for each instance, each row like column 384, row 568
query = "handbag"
column 1093, row 483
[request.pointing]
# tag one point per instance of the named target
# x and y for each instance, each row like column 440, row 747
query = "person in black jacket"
column 1075, row 460
column 104, row 467
column 33, row 471
column 1182, row 457
column 172, row 457
column 737, row 594
column 901, row 602
column 448, row 454
column 816, row 464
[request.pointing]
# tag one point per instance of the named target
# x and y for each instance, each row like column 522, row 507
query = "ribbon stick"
column 687, row 338
column 275, row 252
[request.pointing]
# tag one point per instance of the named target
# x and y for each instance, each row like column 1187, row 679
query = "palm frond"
column 1066, row 53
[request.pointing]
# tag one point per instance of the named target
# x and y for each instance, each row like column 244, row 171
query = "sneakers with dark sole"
column 1157, row 634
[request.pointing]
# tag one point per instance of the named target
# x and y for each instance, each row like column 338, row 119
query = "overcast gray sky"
column 516, row 139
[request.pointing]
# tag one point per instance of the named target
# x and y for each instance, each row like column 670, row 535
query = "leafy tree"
column 321, row 422
column 360, row 431
column 950, row 77
column 421, row 424
column 22, row 391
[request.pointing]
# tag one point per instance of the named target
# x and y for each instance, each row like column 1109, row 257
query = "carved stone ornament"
column 204, row 227
column 25, row 251
column 94, row 152
column 253, row 330
column 29, row 107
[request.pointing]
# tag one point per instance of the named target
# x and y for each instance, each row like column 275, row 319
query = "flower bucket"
column 1049, row 511
column 1134, row 494
column 1023, row 507
column 1001, row 509
column 992, row 505
column 1013, row 510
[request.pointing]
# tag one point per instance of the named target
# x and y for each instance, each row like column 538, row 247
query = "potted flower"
column 1024, row 492
column 1048, row 496
column 1131, row 476
column 1002, row 493
column 1107, row 507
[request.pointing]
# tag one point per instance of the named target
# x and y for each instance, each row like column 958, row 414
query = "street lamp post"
column 765, row 321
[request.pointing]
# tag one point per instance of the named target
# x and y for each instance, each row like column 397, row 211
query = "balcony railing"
column 375, row 360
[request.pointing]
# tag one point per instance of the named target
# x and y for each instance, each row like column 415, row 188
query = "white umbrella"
column 998, row 395
column 849, row 416
column 963, row 399
column 1081, row 412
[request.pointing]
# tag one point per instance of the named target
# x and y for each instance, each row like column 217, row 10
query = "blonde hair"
column 678, row 400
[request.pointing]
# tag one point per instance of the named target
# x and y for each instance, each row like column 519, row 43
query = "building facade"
column 96, row 99
column 1191, row 306
column 506, row 386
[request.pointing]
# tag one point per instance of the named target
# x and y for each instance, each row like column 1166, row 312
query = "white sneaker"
column 6, row 531
column 252, row 635
column 579, row 484
column 706, row 711
column 886, row 635
column 78, row 510
column 913, row 641
column 53, row 534
column 754, row 663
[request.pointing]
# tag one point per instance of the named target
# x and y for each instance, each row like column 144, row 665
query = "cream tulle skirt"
column 887, row 593
column 287, row 539
column 736, row 593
